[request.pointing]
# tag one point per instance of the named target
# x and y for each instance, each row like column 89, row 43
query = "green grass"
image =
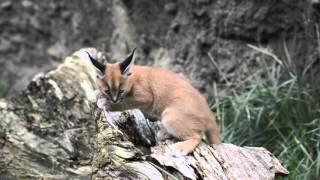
column 280, row 115
column 3, row 88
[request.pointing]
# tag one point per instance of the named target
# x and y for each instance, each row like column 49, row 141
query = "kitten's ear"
column 100, row 68
column 125, row 66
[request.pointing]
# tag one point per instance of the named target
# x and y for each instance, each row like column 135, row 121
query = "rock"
column 171, row 8
column 4, row 45
column 5, row 5
column 58, row 50
column 186, row 29
column 27, row 3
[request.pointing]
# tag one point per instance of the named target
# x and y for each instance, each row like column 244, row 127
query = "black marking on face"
column 114, row 96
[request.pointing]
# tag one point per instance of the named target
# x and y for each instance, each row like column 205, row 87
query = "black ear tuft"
column 126, row 64
column 101, row 67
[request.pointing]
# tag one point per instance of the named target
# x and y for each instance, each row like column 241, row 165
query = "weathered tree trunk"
column 53, row 130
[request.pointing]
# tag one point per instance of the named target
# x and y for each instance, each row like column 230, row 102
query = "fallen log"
column 55, row 130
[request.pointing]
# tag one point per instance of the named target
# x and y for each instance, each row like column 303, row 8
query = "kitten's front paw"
column 102, row 103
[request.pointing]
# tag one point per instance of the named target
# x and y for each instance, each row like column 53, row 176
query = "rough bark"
column 47, row 129
column 54, row 130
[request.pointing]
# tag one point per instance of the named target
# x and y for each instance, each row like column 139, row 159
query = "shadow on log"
column 54, row 130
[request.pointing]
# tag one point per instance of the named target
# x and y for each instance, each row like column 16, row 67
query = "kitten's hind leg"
column 185, row 128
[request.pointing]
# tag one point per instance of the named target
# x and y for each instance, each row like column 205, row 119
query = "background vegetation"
column 3, row 88
column 280, row 115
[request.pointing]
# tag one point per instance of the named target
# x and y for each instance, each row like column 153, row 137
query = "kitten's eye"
column 107, row 91
column 121, row 91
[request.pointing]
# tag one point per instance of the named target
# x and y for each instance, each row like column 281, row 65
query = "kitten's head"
column 112, row 79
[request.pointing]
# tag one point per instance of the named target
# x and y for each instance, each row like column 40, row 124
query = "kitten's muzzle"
column 114, row 99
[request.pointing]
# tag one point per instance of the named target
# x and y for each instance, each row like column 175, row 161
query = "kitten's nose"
column 114, row 99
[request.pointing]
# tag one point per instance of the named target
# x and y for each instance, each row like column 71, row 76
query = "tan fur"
column 183, row 110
